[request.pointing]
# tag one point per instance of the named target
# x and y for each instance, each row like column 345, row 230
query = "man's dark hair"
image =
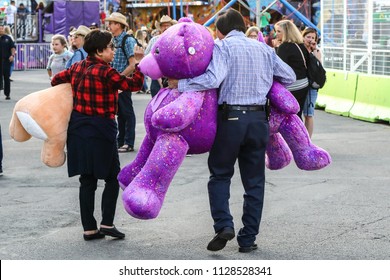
column 96, row 40
column 230, row 20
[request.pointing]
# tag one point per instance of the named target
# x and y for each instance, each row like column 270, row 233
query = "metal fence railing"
column 356, row 35
column 32, row 56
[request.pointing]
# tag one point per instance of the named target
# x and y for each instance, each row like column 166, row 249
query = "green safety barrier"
column 372, row 102
column 338, row 94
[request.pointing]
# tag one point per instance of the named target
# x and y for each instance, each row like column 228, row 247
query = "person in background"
column 141, row 41
column 252, row 32
column 162, row 25
column 60, row 56
column 78, row 42
column 243, row 70
column 265, row 17
column 269, row 35
column 10, row 12
column 155, row 32
column 1, row 154
column 94, row 26
column 310, row 38
column 70, row 40
column 7, row 30
column 40, row 7
column 7, row 56
column 145, row 33
column 91, row 141
column 33, row 6
column 21, row 14
column 140, row 37
column 124, row 63
column 293, row 52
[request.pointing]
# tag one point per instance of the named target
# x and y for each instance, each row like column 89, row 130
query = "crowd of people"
column 104, row 120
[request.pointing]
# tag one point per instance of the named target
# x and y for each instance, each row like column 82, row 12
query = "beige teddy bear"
column 45, row 115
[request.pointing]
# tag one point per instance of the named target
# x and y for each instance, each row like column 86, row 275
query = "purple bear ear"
column 185, row 19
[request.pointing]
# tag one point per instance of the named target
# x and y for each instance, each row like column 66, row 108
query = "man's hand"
column 173, row 83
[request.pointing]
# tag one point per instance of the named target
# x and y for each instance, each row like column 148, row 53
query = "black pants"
column 243, row 136
column 300, row 95
column 5, row 70
column 88, row 186
column 126, row 119
column 154, row 87
column 1, row 151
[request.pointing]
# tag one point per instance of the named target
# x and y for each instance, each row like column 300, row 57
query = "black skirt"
column 91, row 146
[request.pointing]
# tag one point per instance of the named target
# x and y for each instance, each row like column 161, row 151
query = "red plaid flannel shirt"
column 95, row 86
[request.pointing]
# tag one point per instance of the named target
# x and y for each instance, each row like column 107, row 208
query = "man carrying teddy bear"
column 243, row 70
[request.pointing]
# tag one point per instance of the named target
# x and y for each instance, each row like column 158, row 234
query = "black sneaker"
column 7, row 98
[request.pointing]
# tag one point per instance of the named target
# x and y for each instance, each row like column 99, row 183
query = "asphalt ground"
column 339, row 213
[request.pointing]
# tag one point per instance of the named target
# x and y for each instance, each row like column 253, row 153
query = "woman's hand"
column 313, row 46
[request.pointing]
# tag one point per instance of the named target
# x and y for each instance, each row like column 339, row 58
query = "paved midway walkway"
column 341, row 212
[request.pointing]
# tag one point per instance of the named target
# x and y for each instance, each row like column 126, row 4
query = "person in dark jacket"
column 294, row 53
column 7, row 50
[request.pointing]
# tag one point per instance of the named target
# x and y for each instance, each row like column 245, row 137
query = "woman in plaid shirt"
column 91, row 143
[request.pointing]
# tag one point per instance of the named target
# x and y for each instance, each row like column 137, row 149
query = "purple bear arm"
column 282, row 99
column 179, row 114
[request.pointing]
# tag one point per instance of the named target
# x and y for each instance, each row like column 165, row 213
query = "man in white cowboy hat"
column 78, row 36
column 124, row 63
column 164, row 23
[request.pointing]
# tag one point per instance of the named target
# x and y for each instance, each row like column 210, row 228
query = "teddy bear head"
column 183, row 51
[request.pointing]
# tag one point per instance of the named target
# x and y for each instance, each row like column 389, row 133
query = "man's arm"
column 135, row 55
column 12, row 57
column 130, row 68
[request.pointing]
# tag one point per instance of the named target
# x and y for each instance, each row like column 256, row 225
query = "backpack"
column 123, row 44
column 315, row 71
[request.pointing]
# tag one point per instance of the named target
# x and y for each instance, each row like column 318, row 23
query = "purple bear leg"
column 144, row 196
column 307, row 156
column 278, row 154
column 128, row 173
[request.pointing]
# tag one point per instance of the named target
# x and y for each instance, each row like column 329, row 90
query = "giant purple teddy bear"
column 185, row 123
column 176, row 123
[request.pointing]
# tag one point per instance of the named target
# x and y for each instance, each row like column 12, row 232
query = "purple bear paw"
column 313, row 159
column 141, row 203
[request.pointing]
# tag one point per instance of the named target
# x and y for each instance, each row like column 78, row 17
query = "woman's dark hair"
column 230, row 20
column 96, row 40
column 308, row 30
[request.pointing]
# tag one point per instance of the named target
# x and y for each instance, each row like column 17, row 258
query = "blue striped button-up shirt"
column 243, row 69
column 120, row 61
